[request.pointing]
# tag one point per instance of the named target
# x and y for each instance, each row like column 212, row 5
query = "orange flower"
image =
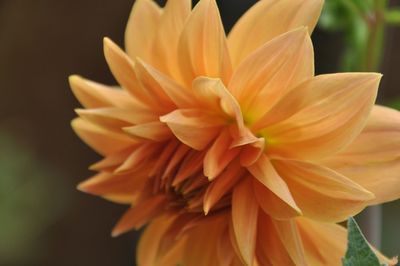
column 231, row 148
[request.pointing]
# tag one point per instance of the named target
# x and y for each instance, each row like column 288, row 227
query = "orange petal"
column 123, row 70
column 265, row 172
column 271, row 203
column 272, row 70
column 95, row 95
column 193, row 127
column 111, row 118
column 222, row 185
column 322, row 193
column 140, row 155
column 328, row 121
column 288, row 233
column 202, row 46
column 156, row 131
column 270, row 249
column 219, row 155
column 141, row 29
column 148, row 252
column 165, row 47
column 111, row 185
column 101, row 140
column 375, row 152
column 139, row 215
column 244, row 217
column 182, row 97
column 268, row 19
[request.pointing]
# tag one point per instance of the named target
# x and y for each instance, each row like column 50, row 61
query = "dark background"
column 44, row 220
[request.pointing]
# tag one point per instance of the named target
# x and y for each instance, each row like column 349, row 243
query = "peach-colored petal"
column 138, row 157
column 101, row 140
column 194, row 127
column 375, row 152
column 111, row 118
column 325, row 125
column 322, row 193
column 222, row 186
column 111, row 162
column 225, row 250
column 202, row 47
column 270, row 250
column 139, row 215
column 106, row 185
column 244, row 218
column 156, row 131
column 268, row 19
column 201, row 247
column 180, row 96
column 271, row 204
column 264, row 172
column 269, row 72
column 141, row 29
column 123, row 70
column 219, row 155
column 95, row 95
column 148, row 252
column 289, row 235
column 165, row 47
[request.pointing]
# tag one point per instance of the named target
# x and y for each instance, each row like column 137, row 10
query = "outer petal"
column 331, row 112
column 244, row 219
column 141, row 29
column 165, row 52
column 101, row 140
column 373, row 159
column 202, row 46
column 268, row 19
column 321, row 193
column 269, row 72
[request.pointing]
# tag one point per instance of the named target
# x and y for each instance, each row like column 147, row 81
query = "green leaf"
column 359, row 252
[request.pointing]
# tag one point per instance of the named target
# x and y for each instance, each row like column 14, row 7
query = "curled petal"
column 156, row 131
column 193, row 127
column 268, row 19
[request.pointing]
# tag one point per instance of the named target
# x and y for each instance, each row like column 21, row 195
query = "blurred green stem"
column 376, row 25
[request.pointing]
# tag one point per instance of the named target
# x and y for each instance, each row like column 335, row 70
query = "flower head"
column 230, row 147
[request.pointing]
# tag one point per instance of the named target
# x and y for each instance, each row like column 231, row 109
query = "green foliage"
column 394, row 104
column 359, row 252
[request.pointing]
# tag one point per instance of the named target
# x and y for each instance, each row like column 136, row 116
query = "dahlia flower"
column 230, row 149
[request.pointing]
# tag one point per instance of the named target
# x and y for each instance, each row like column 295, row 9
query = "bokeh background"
column 44, row 220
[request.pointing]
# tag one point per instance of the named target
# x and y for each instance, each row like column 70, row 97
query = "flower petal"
column 95, row 95
column 331, row 115
column 156, row 131
column 219, row 155
column 139, row 215
column 165, row 46
column 322, row 193
column 264, row 172
column 141, row 29
column 193, row 127
column 270, row 249
column 268, row 19
column 202, row 46
column 375, row 152
column 100, row 139
column 244, row 217
column 269, row 72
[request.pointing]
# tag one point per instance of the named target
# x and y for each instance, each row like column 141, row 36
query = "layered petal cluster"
column 230, row 148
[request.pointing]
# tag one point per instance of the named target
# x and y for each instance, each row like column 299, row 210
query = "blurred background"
column 44, row 220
